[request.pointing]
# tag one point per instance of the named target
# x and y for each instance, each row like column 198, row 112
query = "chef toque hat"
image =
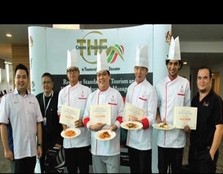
column 174, row 50
column 102, row 61
column 142, row 56
column 72, row 59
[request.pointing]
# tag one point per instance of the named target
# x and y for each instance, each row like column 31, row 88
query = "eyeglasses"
column 46, row 82
column 72, row 70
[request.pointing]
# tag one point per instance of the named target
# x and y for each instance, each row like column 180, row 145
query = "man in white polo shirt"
column 20, row 110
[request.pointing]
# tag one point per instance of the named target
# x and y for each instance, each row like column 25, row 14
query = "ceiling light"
column 185, row 63
column 67, row 26
column 8, row 35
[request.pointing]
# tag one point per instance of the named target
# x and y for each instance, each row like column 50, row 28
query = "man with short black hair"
column 173, row 90
column 21, row 109
column 77, row 154
column 206, row 139
column 143, row 95
column 48, row 101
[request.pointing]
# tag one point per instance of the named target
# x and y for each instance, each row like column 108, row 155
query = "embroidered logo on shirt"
column 112, row 101
column 205, row 103
column 181, row 92
column 82, row 96
column 113, row 98
column 141, row 98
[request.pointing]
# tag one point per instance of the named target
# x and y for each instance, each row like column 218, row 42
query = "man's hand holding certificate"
column 69, row 115
column 100, row 114
column 185, row 116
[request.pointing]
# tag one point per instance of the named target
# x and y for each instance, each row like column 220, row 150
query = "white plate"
column 125, row 125
column 77, row 132
column 158, row 126
column 111, row 133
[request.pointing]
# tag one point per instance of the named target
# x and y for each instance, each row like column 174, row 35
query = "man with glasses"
column 48, row 101
column 77, row 154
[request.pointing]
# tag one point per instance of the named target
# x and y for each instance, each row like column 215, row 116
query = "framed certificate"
column 184, row 116
column 69, row 115
column 100, row 114
column 132, row 111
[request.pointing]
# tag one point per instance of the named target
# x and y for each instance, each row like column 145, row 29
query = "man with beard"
column 206, row 139
column 172, row 91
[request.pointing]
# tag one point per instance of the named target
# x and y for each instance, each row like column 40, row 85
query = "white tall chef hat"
column 142, row 56
column 72, row 59
column 102, row 61
column 174, row 51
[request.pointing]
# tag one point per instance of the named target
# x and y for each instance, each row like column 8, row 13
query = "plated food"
column 70, row 133
column 131, row 125
column 105, row 135
column 163, row 126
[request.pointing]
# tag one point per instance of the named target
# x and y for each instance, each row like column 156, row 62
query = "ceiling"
column 189, row 33
column 200, row 33
column 19, row 32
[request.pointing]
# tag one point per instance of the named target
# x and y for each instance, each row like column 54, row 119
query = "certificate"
column 184, row 116
column 69, row 115
column 132, row 111
column 100, row 114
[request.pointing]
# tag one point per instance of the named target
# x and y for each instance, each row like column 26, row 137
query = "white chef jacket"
column 75, row 96
column 24, row 113
column 142, row 95
column 170, row 94
column 112, row 97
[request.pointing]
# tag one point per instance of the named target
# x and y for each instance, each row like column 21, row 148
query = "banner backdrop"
column 48, row 48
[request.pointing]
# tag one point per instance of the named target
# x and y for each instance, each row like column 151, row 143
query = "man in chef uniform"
column 172, row 91
column 105, row 154
column 142, row 95
column 77, row 156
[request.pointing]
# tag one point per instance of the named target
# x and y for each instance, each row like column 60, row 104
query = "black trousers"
column 77, row 159
column 140, row 160
column 200, row 160
column 25, row 165
column 170, row 160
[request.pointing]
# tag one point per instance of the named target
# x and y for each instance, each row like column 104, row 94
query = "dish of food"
column 70, row 133
column 163, row 126
column 131, row 125
column 105, row 135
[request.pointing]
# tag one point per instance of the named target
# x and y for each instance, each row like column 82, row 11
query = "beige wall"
column 20, row 54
